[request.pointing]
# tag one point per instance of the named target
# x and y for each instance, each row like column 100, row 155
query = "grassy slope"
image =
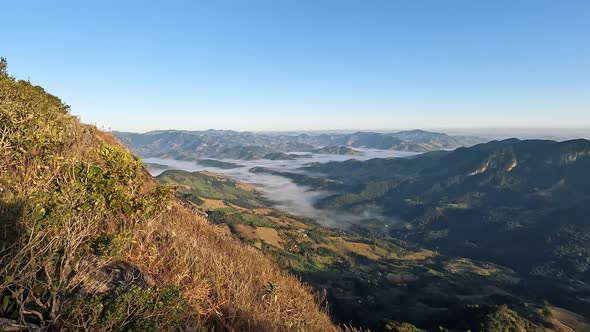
column 91, row 241
column 213, row 187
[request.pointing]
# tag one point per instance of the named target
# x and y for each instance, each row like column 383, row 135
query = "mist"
column 288, row 196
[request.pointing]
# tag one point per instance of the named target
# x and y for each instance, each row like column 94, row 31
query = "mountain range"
column 226, row 144
column 514, row 209
column 523, row 204
column 520, row 204
column 385, row 284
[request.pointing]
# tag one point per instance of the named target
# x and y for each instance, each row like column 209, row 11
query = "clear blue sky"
column 286, row 65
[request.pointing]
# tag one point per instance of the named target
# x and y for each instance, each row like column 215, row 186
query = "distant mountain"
column 248, row 152
column 286, row 147
column 524, row 204
column 339, row 150
column 218, row 164
column 193, row 145
column 285, row 156
column 414, row 140
column 437, row 141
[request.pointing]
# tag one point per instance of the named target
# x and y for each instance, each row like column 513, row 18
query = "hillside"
column 532, row 193
column 92, row 242
column 370, row 282
column 521, row 204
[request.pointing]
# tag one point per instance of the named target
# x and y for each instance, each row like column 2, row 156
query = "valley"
column 390, row 238
column 482, row 238
column 297, row 198
column 295, row 166
column 369, row 281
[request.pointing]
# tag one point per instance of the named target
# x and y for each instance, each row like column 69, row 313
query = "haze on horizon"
column 308, row 65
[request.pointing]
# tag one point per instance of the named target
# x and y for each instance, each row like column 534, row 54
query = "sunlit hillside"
column 90, row 241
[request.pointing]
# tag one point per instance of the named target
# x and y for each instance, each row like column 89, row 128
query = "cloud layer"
column 285, row 194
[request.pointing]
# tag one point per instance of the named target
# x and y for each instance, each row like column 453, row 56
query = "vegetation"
column 155, row 166
column 218, row 164
column 369, row 282
column 487, row 202
column 211, row 186
column 520, row 204
column 91, row 242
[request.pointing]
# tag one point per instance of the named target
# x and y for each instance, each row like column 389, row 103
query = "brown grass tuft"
column 231, row 284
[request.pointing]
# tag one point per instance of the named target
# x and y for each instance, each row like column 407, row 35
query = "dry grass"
column 73, row 201
column 246, row 187
column 266, row 234
column 228, row 282
column 212, row 204
column 566, row 321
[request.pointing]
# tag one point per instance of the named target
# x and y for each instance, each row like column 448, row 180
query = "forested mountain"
column 521, row 204
column 374, row 282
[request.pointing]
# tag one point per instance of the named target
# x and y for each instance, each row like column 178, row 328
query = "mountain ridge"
column 522, row 204
column 193, row 145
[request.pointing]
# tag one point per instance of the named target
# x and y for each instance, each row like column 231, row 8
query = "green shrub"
column 150, row 309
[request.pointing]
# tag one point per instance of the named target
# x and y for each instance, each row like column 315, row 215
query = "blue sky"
column 291, row 65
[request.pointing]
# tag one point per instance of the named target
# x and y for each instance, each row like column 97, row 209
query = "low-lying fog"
column 287, row 195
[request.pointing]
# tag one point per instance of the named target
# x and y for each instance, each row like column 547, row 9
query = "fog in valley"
column 284, row 193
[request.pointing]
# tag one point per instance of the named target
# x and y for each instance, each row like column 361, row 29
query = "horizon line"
column 428, row 129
